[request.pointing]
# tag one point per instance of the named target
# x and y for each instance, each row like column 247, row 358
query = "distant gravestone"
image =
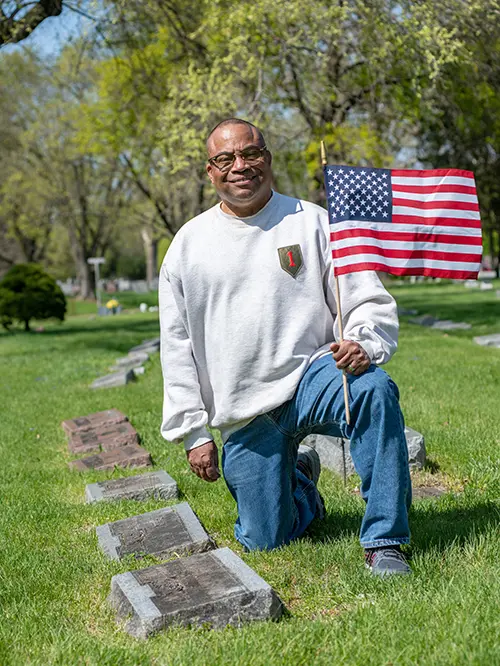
column 94, row 421
column 157, row 485
column 105, row 439
column 488, row 340
column 174, row 529
column 213, row 589
column 139, row 371
column 120, row 378
column 125, row 456
column 335, row 454
column 423, row 320
column 148, row 347
column 447, row 325
column 137, row 357
column 407, row 311
column 439, row 324
column 131, row 365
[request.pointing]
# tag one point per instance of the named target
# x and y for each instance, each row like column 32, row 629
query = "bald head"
column 224, row 127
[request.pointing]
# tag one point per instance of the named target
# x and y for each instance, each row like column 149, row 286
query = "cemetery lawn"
column 54, row 581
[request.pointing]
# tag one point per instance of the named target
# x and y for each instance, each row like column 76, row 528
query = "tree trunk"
column 86, row 278
column 27, row 325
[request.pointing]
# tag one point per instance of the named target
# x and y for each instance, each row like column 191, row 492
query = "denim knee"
column 377, row 384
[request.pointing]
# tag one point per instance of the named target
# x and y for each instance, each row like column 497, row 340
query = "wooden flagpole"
column 339, row 314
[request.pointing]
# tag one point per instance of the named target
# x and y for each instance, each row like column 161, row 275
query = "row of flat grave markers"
column 204, row 585
column 127, row 368
column 109, row 437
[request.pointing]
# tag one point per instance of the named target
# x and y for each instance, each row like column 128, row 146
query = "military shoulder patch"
column 291, row 259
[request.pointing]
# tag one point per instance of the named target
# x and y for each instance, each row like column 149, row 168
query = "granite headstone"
column 212, row 589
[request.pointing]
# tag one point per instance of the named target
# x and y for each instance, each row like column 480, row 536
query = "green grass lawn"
column 54, row 580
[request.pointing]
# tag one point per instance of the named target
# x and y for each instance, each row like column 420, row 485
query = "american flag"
column 404, row 222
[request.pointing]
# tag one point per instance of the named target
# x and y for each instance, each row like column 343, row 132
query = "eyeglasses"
column 224, row 161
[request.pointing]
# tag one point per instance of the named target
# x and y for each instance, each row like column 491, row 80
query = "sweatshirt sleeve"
column 184, row 414
column 369, row 313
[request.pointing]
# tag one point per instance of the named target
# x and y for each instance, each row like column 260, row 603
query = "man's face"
column 245, row 188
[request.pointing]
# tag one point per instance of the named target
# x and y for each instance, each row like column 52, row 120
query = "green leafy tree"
column 460, row 117
column 27, row 292
column 19, row 19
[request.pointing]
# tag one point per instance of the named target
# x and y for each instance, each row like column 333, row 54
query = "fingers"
column 204, row 462
column 351, row 357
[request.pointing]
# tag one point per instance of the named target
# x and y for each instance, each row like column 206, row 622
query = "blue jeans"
column 276, row 502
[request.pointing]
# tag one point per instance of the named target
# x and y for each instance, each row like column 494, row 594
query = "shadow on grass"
column 434, row 527
column 431, row 525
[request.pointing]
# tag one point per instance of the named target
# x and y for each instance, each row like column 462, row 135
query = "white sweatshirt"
column 238, row 331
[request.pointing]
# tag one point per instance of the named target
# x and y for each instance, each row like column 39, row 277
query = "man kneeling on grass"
column 248, row 327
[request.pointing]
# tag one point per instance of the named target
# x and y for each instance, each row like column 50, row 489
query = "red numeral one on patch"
column 290, row 258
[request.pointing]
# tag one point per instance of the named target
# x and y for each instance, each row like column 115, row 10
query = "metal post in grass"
column 95, row 262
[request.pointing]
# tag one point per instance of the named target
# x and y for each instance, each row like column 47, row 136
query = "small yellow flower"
column 113, row 303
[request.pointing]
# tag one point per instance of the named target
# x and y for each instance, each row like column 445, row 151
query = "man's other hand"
column 204, row 461
column 350, row 356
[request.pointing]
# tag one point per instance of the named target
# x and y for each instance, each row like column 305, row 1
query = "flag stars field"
column 404, row 222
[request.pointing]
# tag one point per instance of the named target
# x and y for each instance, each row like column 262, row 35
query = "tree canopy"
column 105, row 143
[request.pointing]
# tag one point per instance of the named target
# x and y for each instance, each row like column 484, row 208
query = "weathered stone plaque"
column 105, row 439
column 174, row 529
column 120, row 378
column 93, row 421
column 124, row 456
column 215, row 589
column 158, row 485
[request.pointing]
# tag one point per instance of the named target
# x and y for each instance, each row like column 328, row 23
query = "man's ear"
column 209, row 169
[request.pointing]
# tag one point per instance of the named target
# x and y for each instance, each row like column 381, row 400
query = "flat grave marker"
column 105, row 439
column 174, row 529
column 124, row 456
column 93, row 421
column 138, row 358
column 440, row 324
column 147, row 346
column 157, row 485
column 215, row 588
column 120, row 378
column 492, row 340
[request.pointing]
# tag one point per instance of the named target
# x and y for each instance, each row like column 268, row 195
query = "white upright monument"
column 96, row 262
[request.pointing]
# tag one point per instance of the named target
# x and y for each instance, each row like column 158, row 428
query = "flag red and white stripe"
column 425, row 222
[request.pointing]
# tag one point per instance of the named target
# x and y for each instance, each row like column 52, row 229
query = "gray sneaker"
column 386, row 561
column 308, row 462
